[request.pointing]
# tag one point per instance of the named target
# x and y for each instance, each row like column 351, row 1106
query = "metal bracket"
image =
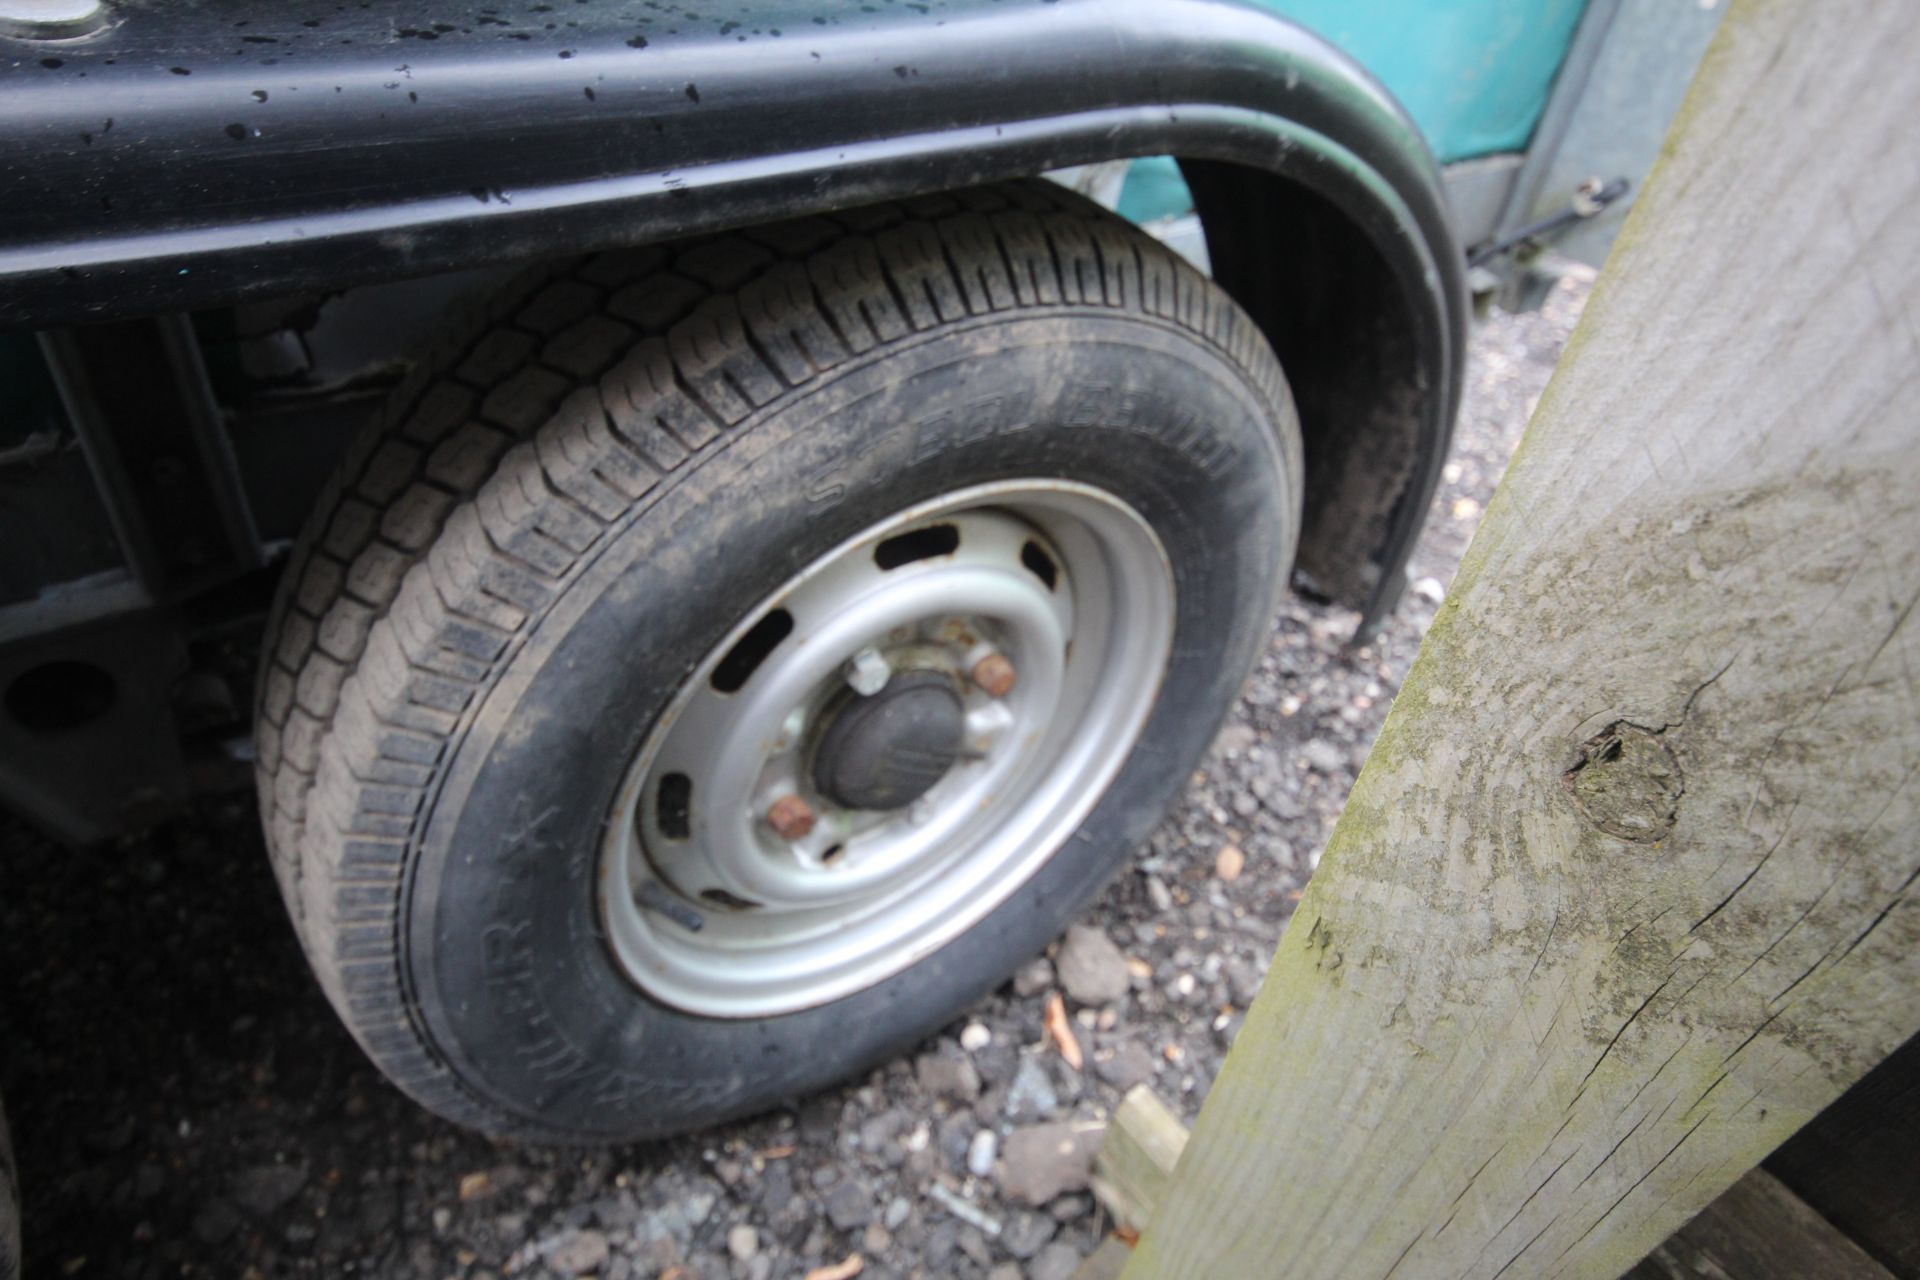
column 139, row 399
column 1590, row 198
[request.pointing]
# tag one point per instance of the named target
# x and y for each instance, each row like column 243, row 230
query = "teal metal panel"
column 1153, row 189
column 1473, row 74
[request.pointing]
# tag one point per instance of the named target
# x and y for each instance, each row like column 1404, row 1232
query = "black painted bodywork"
column 192, row 156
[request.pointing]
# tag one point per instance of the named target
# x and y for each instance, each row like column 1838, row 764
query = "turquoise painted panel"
column 1473, row 74
column 1153, row 189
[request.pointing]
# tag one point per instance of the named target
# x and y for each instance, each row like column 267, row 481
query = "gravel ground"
column 185, row 1103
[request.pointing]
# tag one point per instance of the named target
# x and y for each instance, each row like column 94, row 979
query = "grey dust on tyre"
column 724, row 661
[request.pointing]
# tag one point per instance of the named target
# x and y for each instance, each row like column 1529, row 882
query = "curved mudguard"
column 191, row 155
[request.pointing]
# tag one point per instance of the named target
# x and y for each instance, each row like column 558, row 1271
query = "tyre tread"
column 519, row 440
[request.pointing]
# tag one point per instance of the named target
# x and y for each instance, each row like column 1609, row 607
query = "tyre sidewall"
column 9, row 1206
column 504, row 950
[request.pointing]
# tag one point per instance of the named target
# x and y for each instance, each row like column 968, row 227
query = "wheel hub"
column 884, row 751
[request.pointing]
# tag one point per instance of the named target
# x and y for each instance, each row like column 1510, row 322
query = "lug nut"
column 790, row 817
column 868, row 672
column 995, row 675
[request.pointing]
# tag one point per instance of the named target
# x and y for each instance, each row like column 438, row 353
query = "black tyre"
column 522, row 641
column 9, row 1207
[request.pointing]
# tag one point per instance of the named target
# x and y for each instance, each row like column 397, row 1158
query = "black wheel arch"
column 1370, row 330
column 1311, row 182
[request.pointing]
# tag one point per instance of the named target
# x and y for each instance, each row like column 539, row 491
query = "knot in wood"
column 1627, row 782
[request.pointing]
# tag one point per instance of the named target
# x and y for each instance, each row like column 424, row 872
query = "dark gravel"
column 185, row 1103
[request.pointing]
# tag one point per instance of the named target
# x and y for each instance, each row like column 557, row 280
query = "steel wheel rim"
column 708, row 909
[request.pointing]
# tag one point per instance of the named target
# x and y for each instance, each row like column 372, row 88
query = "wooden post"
column 1627, row 891
column 1137, row 1157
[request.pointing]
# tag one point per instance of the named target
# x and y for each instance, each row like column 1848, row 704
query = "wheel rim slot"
column 917, row 544
column 721, row 898
column 1040, row 564
column 675, row 806
column 752, row 649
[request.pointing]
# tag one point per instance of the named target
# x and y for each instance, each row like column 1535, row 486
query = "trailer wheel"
column 724, row 661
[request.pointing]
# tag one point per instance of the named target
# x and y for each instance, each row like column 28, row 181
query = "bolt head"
column 995, row 675
column 790, row 817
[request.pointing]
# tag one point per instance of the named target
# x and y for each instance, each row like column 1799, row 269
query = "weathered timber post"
column 1627, row 890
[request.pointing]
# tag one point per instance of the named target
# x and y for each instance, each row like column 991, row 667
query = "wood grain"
column 1527, row 1021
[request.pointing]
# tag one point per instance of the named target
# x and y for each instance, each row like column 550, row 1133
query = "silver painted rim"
column 710, row 909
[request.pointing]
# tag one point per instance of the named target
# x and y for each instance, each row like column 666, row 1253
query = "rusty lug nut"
column 995, row 675
column 790, row 817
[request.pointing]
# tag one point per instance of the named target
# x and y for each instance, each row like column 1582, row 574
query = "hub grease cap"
column 885, row 751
